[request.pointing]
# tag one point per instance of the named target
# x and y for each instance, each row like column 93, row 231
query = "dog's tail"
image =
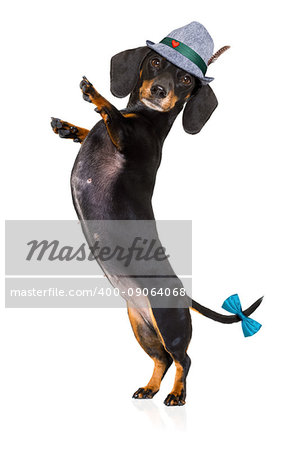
column 223, row 318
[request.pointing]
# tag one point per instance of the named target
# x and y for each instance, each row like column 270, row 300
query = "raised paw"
column 88, row 90
column 144, row 393
column 174, row 400
column 65, row 130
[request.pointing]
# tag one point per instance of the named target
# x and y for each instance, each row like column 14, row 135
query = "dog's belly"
column 105, row 185
column 94, row 175
column 99, row 201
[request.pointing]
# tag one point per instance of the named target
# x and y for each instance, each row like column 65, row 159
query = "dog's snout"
column 158, row 91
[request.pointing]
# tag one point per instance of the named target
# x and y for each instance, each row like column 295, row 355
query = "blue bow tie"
column 233, row 305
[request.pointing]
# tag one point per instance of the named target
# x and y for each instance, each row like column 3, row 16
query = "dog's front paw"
column 174, row 400
column 88, row 90
column 144, row 393
column 64, row 129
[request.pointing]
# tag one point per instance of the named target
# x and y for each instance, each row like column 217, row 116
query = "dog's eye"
column 186, row 79
column 155, row 62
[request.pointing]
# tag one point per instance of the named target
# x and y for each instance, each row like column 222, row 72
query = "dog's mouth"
column 161, row 105
column 152, row 104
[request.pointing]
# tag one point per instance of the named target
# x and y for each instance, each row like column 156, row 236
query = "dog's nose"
column 158, row 91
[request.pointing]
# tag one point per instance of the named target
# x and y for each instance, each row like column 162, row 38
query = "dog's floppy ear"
column 198, row 109
column 124, row 70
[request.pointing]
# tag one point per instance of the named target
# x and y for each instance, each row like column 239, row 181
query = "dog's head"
column 161, row 86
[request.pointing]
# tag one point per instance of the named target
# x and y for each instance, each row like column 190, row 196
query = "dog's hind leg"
column 67, row 130
column 113, row 119
column 178, row 393
column 174, row 327
column 150, row 342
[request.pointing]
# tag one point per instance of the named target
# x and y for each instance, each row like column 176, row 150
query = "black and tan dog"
column 113, row 179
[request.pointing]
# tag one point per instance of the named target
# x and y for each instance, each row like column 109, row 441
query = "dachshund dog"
column 113, row 180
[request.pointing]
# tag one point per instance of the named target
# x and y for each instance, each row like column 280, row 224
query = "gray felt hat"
column 189, row 47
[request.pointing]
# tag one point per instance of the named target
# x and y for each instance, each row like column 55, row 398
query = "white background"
column 68, row 375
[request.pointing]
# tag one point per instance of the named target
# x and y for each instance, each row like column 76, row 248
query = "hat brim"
column 179, row 60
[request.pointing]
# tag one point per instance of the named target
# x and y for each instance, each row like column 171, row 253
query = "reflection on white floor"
column 161, row 416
